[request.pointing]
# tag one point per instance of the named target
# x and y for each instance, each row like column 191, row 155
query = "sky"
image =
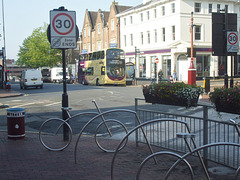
column 21, row 17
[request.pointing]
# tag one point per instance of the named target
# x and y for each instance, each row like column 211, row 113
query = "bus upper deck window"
column 102, row 55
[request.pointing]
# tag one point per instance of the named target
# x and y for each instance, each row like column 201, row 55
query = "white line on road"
column 23, row 105
column 52, row 104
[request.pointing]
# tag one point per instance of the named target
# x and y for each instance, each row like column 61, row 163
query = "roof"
column 93, row 17
column 106, row 15
column 120, row 9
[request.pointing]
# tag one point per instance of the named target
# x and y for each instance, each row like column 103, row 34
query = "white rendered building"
column 161, row 29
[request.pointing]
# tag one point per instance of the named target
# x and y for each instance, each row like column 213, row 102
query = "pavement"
column 27, row 159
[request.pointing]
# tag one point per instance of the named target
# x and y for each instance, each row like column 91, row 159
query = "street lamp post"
column 137, row 51
column 191, row 69
column 4, row 49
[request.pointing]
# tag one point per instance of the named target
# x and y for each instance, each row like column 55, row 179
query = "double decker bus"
column 102, row 67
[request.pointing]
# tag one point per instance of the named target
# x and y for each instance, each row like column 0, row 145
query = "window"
column 99, row 45
column 218, row 7
column 155, row 13
column 173, row 7
column 155, row 35
column 84, row 32
column 112, row 24
column 163, row 10
column 141, row 37
column 148, row 15
column 125, row 21
column 131, row 36
column 88, row 31
column 125, row 40
column 148, row 36
column 197, row 7
column 163, row 34
column 99, row 28
column 197, row 32
column 90, row 71
column 113, row 40
column 89, row 47
column 141, row 17
column 131, row 19
column 209, row 8
column 173, row 32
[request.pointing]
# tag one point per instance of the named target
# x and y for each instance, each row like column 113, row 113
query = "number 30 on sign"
column 63, row 29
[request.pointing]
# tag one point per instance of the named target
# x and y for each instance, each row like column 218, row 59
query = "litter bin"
column 16, row 123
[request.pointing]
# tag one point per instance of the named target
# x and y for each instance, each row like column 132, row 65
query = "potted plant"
column 170, row 93
column 226, row 99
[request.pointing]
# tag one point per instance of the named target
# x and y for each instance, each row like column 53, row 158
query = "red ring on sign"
column 53, row 22
column 235, row 41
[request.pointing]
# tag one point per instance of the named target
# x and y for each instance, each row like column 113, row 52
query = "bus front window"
column 116, row 69
column 115, row 61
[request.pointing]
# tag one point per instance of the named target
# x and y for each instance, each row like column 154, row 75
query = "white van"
column 31, row 78
column 57, row 75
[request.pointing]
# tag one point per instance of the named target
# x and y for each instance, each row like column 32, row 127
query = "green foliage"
column 227, row 97
column 173, row 91
column 36, row 52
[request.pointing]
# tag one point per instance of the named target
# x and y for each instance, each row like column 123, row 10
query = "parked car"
column 31, row 78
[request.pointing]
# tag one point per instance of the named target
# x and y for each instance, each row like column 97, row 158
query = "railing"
column 207, row 131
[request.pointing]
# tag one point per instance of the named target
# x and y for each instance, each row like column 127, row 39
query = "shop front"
column 1, row 76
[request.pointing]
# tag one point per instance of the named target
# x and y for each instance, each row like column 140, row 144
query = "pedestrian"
column 174, row 75
column 160, row 75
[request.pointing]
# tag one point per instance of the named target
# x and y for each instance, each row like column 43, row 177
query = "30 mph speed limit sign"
column 232, row 41
column 63, row 29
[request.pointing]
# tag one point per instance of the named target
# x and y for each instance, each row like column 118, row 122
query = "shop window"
column 203, row 66
column 142, row 66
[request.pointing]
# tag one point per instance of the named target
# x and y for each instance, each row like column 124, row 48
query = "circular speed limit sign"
column 232, row 41
column 232, row 38
column 63, row 23
column 63, row 29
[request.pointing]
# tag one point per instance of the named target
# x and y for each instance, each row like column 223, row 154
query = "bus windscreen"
column 115, row 64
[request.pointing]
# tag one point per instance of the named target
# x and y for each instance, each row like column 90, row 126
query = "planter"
column 176, row 101
column 177, row 94
column 229, row 108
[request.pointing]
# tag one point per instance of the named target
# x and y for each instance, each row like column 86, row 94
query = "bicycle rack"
column 97, row 115
column 140, row 126
column 125, row 139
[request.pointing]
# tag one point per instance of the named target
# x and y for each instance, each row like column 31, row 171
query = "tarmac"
column 27, row 159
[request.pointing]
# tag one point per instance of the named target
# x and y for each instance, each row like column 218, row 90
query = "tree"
column 36, row 51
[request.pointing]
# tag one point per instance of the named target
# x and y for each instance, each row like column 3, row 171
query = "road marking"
column 110, row 92
column 16, row 100
column 23, row 105
column 52, row 104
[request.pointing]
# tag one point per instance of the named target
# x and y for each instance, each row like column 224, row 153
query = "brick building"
column 101, row 28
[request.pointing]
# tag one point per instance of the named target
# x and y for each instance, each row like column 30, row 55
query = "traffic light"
column 219, row 36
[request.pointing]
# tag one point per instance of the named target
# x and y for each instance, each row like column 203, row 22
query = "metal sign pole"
column 63, row 34
column 64, row 98
column 226, row 63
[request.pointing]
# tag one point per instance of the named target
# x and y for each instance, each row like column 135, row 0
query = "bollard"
column 204, row 83
column 8, row 86
column 207, row 85
column 16, row 123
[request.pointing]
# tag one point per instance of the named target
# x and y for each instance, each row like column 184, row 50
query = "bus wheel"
column 97, row 82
